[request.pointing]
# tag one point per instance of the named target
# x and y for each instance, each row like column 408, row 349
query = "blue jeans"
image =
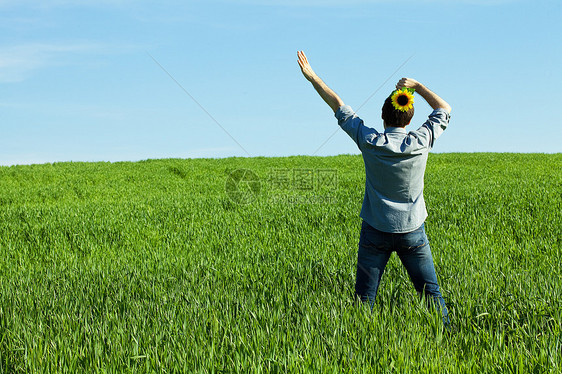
column 375, row 248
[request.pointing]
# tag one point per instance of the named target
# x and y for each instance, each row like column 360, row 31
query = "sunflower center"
column 402, row 100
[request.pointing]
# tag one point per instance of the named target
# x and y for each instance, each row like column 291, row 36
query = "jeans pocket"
column 414, row 240
column 372, row 239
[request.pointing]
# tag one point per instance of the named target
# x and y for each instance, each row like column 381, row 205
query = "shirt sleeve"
column 436, row 123
column 353, row 125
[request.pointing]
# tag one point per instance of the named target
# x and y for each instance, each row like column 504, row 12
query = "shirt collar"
column 397, row 130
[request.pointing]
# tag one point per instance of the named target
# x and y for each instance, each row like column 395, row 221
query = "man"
column 393, row 210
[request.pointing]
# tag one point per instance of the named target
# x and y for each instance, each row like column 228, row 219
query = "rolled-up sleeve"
column 351, row 124
column 436, row 123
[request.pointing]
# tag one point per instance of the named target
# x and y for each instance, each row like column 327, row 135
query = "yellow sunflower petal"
column 405, row 93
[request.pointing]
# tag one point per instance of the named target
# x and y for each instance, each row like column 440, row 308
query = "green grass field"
column 172, row 266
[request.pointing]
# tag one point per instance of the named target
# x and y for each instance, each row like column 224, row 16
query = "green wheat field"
column 248, row 265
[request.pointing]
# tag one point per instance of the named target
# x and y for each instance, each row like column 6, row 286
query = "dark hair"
column 394, row 117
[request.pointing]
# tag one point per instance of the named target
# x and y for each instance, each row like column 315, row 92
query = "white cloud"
column 347, row 3
column 291, row 3
column 58, row 3
column 19, row 62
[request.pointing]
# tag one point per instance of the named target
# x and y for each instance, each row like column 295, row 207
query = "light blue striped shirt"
column 394, row 166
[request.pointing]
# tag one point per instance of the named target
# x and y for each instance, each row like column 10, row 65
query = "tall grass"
column 152, row 266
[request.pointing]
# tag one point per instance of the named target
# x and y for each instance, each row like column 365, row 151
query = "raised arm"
column 432, row 98
column 327, row 94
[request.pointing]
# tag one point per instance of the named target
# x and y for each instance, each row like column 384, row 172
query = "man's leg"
column 372, row 256
column 415, row 254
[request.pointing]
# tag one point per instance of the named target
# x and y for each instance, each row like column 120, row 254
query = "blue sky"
column 100, row 80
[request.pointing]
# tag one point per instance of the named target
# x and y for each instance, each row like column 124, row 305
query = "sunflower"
column 403, row 99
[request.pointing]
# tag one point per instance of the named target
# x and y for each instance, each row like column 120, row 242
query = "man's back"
column 395, row 163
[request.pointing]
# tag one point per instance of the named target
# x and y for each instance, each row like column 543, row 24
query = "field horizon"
column 255, row 157
column 247, row 264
